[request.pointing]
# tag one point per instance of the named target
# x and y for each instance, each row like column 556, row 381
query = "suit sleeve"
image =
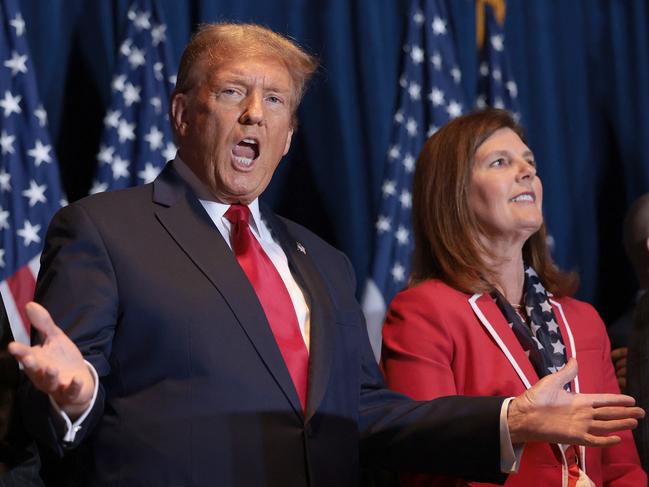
column 620, row 463
column 77, row 285
column 417, row 349
column 452, row 435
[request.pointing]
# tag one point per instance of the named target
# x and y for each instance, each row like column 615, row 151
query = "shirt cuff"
column 71, row 428
column 510, row 455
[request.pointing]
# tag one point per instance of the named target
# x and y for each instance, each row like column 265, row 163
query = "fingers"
column 619, row 353
column 41, row 319
column 601, row 441
column 602, row 400
column 18, row 350
column 602, row 428
column 610, row 413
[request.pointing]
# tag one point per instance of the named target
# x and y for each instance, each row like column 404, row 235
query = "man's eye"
column 274, row 99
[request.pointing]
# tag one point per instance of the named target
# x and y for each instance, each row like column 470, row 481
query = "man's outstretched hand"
column 56, row 367
column 548, row 413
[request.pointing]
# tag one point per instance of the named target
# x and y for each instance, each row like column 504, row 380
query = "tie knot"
column 238, row 213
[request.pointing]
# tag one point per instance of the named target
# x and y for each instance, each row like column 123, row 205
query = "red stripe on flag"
column 22, row 286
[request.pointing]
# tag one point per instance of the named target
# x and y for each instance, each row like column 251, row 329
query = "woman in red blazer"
column 487, row 312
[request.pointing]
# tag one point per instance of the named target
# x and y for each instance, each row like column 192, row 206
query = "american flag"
column 137, row 141
column 496, row 85
column 30, row 186
column 430, row 96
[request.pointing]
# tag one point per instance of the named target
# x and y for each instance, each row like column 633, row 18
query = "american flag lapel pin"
column 301, row 248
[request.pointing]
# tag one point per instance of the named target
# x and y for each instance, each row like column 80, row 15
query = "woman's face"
column 505, row 193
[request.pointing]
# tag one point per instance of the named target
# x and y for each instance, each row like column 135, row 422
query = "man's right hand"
column 548, row 413
column 56, row 367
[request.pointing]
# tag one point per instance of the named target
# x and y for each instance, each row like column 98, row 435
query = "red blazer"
column 438, row 341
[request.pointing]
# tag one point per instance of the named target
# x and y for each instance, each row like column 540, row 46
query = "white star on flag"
column 7, row 143
column 169, row 151
column 436, row 97
column 126, row 131
column 19, row 24
column 553, row 326
column 394, row 152
column 409, row 163
column 417, row 55
column 29, row 233
column 439, row 26
column 402, row 235
column 398, row 273
column 158, row 34
column 136, row 58
column 149, row 173
column 383, row 224
column 497, row 42
column 17, row 63
column 105, row 155
column 131, row 94
column 118, row 82
column 41, row 153
column 545, row 306
column 35, row 193
column 558, row 347
column 154, row 138
column 4, row 215
column 405, row 199
column 454, row 109
column 389, row 188
column 414, row 90
column 5, row 178
column 41, row 115
column 120, row 168
column 411, row 127
column 112, row 118
column 10, row 104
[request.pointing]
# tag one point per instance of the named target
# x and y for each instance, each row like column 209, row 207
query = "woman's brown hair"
column 446, row 233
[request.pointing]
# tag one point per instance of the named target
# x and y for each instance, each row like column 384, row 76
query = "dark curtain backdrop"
column 582, row 67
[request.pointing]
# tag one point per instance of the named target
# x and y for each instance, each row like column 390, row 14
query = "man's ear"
column 288, row 141
column 178, row 113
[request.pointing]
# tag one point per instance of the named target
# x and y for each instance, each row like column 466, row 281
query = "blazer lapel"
column 186, row 221
column 321, row 309
column 494, row 322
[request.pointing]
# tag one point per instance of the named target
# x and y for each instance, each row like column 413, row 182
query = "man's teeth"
column 249, row 141
column 246, row 161
column 523, row 197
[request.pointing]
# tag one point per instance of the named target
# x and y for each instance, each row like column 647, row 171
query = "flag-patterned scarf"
column 539, row 334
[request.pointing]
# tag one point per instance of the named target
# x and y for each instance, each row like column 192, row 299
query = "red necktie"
column 273, row 296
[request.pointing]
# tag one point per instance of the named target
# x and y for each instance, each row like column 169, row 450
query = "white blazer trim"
column 571, row 339
column 485, row 322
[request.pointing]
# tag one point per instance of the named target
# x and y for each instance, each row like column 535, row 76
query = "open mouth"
column 246, row 151
column 529, row 197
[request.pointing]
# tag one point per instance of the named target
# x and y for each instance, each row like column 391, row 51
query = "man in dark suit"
column 224, row 345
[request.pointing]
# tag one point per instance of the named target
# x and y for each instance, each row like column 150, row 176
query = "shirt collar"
column 203, row 193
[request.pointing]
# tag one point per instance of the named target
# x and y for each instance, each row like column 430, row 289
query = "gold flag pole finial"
column 498, row 7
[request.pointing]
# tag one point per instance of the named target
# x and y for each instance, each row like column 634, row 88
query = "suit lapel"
column 322, row 319
column 496, row 325
column 186, row 221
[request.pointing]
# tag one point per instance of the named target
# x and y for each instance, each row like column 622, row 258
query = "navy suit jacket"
column 193, row 388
